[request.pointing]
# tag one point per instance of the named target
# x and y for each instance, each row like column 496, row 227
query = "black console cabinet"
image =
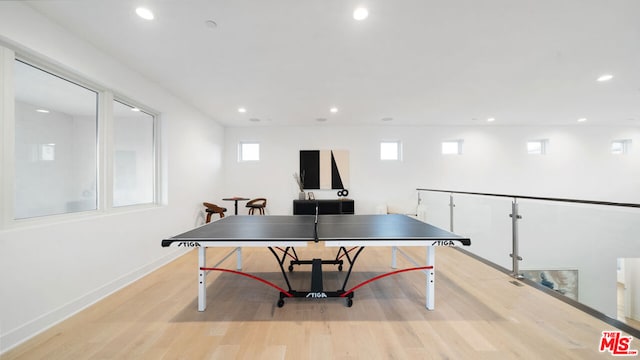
column 325, row 207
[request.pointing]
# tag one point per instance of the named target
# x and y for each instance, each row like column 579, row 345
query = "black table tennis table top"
column 303, row 228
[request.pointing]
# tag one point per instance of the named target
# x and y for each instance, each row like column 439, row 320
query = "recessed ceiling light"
column 254, row 120
column 135, row 109
column 145, row 13
column 360, row 13
column 387, row 119
column 491, row 119
column 582, row 119
column 211, row 24
column 605, row 77
column 242, row 110
column 43, row 111
column 333, row 110
column 321, row 119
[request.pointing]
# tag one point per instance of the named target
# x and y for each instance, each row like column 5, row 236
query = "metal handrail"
column 577, row 201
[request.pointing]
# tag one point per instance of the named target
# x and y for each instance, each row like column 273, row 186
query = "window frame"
column 65, row 77
column 155, row 185
column 459, row 143
column 104, row 137
column 398, row 154
column 625, row 146
column 543, row 148
column 241, row 151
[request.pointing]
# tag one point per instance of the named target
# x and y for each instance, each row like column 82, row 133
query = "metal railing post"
column 515, row 257
column 451, row 206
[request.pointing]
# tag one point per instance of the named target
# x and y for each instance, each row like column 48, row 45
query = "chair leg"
column 208, row 217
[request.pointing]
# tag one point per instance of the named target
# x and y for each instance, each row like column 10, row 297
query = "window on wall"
column 55, row 144
column 452, row 147
column 620, row 147
column 390, row 150
column 133, row 155
column 249, row 151
column 56, row 129
column 537, row 147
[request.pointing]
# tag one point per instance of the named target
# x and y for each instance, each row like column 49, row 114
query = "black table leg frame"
column 317, row 289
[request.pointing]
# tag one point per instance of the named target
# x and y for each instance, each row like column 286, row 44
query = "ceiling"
column 411, row 62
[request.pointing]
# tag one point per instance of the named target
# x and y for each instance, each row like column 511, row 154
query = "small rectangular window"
column 537, row 147
column 390, row 150
column 249, row 151
column 620, row 147
column 452, row 147
column 134, row 156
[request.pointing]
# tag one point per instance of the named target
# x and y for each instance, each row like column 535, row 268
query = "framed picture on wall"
column 324, row 169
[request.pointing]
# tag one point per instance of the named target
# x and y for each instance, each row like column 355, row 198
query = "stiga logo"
column 443, row 243
column 188, row 244
column 616, row 344
column 316, row 295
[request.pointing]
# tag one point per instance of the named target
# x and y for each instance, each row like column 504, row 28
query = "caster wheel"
column 349, row 303
column 280, row 303
column 290, row 267
column 339, row 267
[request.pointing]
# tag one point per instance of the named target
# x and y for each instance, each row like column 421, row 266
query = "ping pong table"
column 350, row 234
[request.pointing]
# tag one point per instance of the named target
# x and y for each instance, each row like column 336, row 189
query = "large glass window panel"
column 133, row 161
column 580, row 245
column 434, row 208
column 484, row 219
column 55, row 144
column 487, row 222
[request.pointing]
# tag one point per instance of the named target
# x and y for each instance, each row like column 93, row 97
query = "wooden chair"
column 213, row 209
column 259, row 203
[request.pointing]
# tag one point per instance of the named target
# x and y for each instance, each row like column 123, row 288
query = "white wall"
column 51, row 269
column 578, row 165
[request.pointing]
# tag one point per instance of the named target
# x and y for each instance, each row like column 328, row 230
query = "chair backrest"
column 213, row 209
column 257, row 202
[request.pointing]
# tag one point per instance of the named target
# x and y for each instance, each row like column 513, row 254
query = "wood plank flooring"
column 479, row 314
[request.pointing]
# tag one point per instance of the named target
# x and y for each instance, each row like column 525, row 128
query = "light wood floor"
column 479, row 314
